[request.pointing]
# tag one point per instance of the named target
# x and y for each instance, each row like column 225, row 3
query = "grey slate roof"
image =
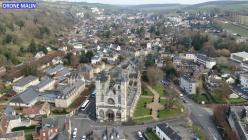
column 169, row 131
column 26, row 97
column 44, row 82
column 24, row 81
column 86, row 68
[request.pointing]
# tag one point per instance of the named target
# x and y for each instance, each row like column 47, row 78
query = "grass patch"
column 59, row 112
column 142, row 120
column 199, row 98
column 198, row 132
column 29, row 137
column 234, row 28
column 237, row 101
column 218, row 99
column 140, row 109
column 26, row 129
column 146, row 91
column 159, row 88
column 151, row 134
column 173, row 112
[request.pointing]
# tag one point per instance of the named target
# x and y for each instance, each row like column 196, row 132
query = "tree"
column 170, row 70
column 30, row 70
column 154, row 75
column 8, row 39
column 209, row 49
column 32, row 47
column 20, row 23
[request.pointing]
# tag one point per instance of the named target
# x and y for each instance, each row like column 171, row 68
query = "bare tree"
column 154, row 75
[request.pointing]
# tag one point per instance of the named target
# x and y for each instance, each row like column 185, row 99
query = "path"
column 155, row 105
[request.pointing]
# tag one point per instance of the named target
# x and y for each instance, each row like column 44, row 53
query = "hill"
column 42, row 26
column 235, row 6
column 148, row 7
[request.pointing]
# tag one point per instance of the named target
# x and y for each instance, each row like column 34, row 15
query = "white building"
column 244, row 80
column 244, row 65
column 188, row 85
column 189, row 56
column 96, row 59
column 239, row 56
column 39, row 54
column 165, row 132
column 22, row 84
column 207, row 62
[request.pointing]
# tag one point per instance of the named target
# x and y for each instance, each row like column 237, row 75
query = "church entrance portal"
column 110, row 115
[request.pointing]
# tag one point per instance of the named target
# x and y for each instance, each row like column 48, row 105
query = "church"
column 117, row 92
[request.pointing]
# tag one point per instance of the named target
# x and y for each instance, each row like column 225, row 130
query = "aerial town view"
column 123, row 70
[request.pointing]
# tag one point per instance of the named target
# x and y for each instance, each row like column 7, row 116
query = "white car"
column 140, row 134
column 83, row 137
column 74, row 133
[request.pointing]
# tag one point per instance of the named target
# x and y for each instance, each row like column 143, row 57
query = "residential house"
column 38, row 110
column 87, row 71
column 16, row 135
column 54, row 70
column 188, row 84
column 22, row 84
column 10, row 120
column 96, row 59
column 244, row 80
column 39, row 54
column 165, row 132
column 57, row 60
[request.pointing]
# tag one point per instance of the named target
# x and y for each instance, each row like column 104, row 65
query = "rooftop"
column 169, row 131
column 241, row 54
column 24, row 81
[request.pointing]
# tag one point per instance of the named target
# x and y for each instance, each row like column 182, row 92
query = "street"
column 201, row 116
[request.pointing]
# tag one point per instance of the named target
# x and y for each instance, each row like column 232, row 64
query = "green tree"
column 30, row 70
column 32, row 47
column 20, row 23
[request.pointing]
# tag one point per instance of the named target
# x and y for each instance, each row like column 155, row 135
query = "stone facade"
column 117, row 93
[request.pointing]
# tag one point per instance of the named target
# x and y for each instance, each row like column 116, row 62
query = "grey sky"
column 132, row 2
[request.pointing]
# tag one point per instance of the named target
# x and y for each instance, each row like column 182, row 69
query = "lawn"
column 159, row 88
column 234, row 29
column 146, row 91
column 198, row 132
column 142, row 120
column 237, row 101
column 218, row 99
column 151, row 134
column 140, row 109
column 170, row 113
column 199, row 98
column 28, row 131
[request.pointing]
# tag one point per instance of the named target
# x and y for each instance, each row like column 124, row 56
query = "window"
column 111, row 101
column 119, row 99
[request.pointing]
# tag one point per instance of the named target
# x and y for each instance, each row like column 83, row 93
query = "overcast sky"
column 132, row 2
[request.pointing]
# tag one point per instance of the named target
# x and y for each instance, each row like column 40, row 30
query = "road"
column 202, row 117
column 85, row 126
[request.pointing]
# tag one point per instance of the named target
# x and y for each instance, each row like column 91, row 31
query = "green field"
column 173, row 112
column 234, row 28
column 159, row 88
column 140, row 109
column 151, row 134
